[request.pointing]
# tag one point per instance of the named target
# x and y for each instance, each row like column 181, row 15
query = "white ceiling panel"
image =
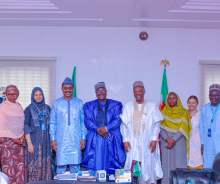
column 111, row 13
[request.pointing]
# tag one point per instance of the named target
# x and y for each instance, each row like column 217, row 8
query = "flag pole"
column 164, row 91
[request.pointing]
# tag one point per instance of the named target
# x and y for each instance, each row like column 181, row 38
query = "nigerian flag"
column 163, row 96
column 74, row 81
column 164, row 91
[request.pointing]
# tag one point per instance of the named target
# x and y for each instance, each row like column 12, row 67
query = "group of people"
column 111, row 136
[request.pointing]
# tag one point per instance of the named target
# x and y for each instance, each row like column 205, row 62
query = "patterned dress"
column 12, row 160
column 37, row 165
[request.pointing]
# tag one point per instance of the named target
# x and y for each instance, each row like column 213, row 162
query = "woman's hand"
column 16, row 141
column 169, row 146
column 54, row 145
column 30, row 148
column 202, row 148
column 171, row 143
column 22, row 139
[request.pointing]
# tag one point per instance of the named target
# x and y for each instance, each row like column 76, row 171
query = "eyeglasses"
column 102, row 91
column 66, row 88
column 213, row 95
column 12, row 94
column 140, row 91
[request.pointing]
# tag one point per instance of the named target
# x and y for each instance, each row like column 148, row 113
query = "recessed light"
column 13, row 1
column 173, row 20
column 29, row 7
column 193, row 11
column 53, row 11
column 203, row 3
column 201, row 7
column 208, row 1
column 54, row 19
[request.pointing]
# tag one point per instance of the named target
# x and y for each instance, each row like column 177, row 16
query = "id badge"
column 209, row 132
column 43, row 126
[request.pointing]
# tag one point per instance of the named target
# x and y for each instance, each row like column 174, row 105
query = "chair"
column 198, row 176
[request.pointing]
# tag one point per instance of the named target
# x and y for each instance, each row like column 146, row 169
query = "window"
column 209, row 73
column 27, row 73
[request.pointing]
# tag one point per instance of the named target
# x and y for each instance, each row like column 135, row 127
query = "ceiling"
column 111, row 13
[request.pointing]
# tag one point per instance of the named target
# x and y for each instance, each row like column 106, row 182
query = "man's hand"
column 101, row 130
column 16, row 141
column 54, row 145
column 106, row 135
column 153, row 145
column 127, row 146
column 83, row 144
column 30, row 148
column 202, row 148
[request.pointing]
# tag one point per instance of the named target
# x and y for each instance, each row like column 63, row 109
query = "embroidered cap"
column 138, row 84
column 68, row 81
column 214, row 87
column 100, row 85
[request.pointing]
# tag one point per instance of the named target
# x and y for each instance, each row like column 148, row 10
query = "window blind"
column 27, row 73
column 209, row 73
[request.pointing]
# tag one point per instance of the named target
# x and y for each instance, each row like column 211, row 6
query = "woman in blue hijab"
column 36, row 130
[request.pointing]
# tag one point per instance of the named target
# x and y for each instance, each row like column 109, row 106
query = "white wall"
column 118, row 57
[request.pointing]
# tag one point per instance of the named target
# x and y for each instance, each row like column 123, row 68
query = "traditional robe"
column 149, row 131
column 211, row 144
column 173, row 158
column 12, row 154
column 195, row 158
column 103, row 153
column 68, row 129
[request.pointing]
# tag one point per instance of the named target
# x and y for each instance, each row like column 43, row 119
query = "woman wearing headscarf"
column 12, row 137
column 175, row 135
column 36, row 130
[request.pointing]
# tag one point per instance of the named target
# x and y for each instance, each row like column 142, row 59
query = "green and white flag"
column 74, row 81
column 164, row 91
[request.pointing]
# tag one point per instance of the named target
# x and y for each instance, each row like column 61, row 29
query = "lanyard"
column 213, row 114
column 41, row 115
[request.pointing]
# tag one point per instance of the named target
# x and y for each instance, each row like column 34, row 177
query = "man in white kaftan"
column 140, row 130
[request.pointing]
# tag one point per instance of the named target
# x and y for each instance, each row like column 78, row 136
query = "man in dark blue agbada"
column 104, row 148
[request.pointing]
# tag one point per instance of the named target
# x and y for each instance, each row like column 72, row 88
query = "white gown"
column 150, row 122
column 4, row 179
